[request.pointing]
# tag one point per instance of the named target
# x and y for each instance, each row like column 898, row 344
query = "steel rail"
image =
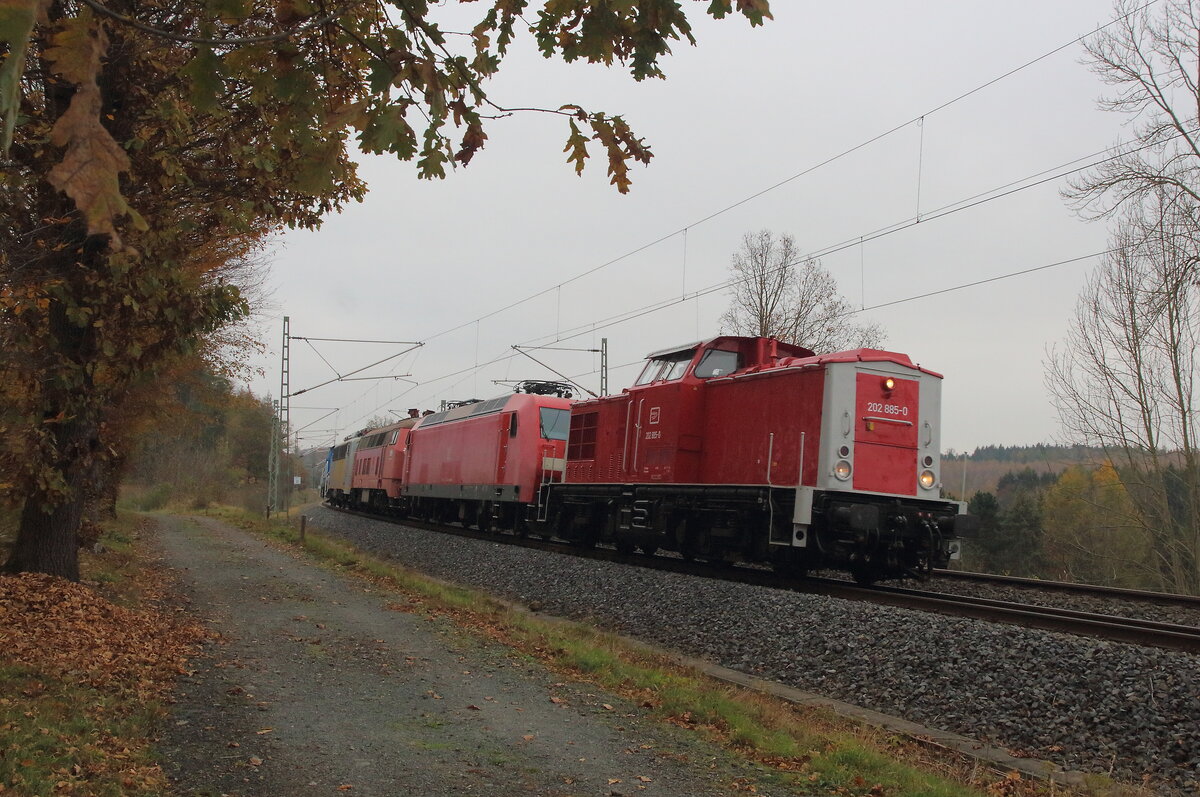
column 1161, row 598
column 1147, row 633
column 1119, row 629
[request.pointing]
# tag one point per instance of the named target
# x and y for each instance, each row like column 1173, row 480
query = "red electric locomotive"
column 488, row 463
column 750, row 449
column 485, row 463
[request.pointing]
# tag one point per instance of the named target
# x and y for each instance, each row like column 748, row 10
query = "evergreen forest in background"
column 1056, row 512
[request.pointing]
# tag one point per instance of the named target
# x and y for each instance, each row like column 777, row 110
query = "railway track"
column 1120, row 629
column 1158, row 598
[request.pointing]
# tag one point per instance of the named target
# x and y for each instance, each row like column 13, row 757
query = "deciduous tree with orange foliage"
column 145, row 142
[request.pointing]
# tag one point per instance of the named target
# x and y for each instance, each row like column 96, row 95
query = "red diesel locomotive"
column 751, row 449
column 731, row 449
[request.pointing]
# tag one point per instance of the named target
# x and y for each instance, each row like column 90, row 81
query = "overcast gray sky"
column 740, row 113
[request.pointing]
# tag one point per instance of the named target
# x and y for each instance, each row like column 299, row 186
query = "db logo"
column 655, row 414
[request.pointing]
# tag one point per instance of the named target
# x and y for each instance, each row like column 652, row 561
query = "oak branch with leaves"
column 145, row 143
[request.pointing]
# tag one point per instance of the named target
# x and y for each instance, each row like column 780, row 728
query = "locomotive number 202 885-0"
column 887, row 409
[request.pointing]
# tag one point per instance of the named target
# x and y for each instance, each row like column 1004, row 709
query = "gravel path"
column 319, row 686
column 1086, row 704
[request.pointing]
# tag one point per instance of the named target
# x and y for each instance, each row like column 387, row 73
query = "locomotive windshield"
column 555, row 423
column 665, row 368
column 716, row 362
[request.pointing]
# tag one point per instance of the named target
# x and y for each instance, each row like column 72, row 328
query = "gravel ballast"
column 1082, row 703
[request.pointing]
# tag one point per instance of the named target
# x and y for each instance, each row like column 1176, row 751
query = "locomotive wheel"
column 864, row 575
column 487, row 521
column 625, row 547
column 792, row 569
column 685, row 538
column 648, row 550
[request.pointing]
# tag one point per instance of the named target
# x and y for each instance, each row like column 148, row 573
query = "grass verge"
column 815, row 750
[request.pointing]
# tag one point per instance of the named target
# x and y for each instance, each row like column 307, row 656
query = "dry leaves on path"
column 67, row 630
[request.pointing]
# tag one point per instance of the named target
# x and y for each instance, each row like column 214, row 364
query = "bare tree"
column 779, row 292
column 1125, row 377
column 1151, row 56
column 1124, row 380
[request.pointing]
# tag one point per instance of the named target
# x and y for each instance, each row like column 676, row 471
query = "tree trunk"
column 48, row 536
column 46, row 541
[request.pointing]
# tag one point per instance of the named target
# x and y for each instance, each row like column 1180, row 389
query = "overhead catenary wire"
column 978, row 199
column 928, row 294
column 916, row 297
column 1007, row 189
column 802, row 173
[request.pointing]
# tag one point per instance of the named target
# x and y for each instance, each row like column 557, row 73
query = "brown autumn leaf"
column 90, row 168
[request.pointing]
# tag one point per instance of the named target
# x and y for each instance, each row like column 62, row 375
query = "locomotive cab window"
column 555, row 423
column 666, row 368
column 717, row 363
column 649, row 372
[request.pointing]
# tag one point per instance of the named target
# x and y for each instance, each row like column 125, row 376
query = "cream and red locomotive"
column 732, row 449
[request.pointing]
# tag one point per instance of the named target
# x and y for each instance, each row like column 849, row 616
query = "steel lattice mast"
column 281, row 433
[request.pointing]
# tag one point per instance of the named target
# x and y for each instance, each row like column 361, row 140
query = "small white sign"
column 296, row 480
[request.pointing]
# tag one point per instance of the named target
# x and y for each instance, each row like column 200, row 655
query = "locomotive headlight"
column 928, row 479
column 889, row 384
column 842, row 469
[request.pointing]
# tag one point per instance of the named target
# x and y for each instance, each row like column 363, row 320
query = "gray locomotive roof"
column 675, row 349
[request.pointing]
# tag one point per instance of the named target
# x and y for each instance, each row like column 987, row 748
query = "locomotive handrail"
column 637, row 441
column 887, row 420
column 625, row 440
